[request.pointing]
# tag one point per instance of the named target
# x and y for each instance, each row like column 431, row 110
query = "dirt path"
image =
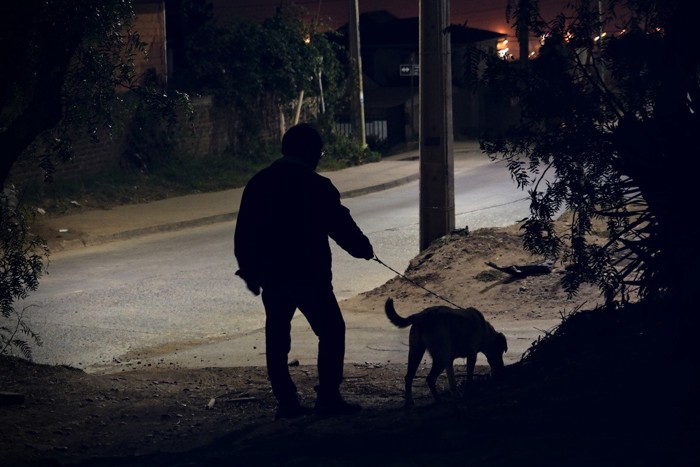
column 70, row 416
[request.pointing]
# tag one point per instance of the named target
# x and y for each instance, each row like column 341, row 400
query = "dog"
column 448, row 333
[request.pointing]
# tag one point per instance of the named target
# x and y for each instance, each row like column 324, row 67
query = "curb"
column 380, row 187
column 87, row 240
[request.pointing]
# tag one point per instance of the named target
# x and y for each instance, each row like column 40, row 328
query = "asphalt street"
column 175, row 322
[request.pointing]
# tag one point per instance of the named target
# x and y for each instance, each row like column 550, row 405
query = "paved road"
column 175, row 294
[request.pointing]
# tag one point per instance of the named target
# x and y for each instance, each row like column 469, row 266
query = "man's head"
column 303, row 142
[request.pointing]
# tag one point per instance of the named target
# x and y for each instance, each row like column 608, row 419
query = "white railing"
column 375, row 128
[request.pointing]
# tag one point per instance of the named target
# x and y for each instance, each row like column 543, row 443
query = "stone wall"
column 89, row 159
column 149, row 22
column 206, row 133
column 208, row 130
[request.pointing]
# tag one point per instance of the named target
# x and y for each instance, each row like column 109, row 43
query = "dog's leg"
column 451, row 377
column 471, row 363
column 416, row 350
column 435, row 371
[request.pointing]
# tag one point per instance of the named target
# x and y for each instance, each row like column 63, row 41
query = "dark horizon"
column 480, row 14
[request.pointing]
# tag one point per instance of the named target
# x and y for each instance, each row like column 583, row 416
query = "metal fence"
column 375, row 128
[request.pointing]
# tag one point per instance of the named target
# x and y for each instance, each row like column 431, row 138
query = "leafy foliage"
column 68, row 68
column 348, row 151
column 23, row 258
column 62, row 77
column 608, row 130
column 247, row 65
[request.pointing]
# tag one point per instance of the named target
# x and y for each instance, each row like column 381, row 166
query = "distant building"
column 390, row 55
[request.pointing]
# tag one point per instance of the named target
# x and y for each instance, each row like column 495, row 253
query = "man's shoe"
column 335, row 407
column 292, row 411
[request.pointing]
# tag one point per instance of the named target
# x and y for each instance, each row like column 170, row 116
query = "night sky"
column 481, row 14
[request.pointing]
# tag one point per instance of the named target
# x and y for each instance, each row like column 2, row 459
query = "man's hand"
column 255, row 288
column 252, row 285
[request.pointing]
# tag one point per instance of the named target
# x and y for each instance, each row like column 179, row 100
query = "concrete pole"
column 523, row 31
column 300, row 102
column 437, row 203
column 357, row 101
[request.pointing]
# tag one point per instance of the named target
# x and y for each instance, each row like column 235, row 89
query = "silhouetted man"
column 287, row 214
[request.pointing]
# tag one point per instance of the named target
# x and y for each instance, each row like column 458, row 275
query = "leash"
column 376, row 258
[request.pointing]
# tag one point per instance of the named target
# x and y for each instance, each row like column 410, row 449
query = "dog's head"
column 494, row 353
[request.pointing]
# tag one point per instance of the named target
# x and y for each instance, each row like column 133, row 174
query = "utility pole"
column 523, row 29
column 357, row 102
column 437, row 204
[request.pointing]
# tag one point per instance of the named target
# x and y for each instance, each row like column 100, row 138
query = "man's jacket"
column 287, row 214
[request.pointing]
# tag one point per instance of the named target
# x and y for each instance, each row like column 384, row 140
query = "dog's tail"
column 394, row 317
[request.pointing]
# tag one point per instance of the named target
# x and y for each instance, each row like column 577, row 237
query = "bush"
column 608, row 131
column 346, row 152
column 23, row 259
